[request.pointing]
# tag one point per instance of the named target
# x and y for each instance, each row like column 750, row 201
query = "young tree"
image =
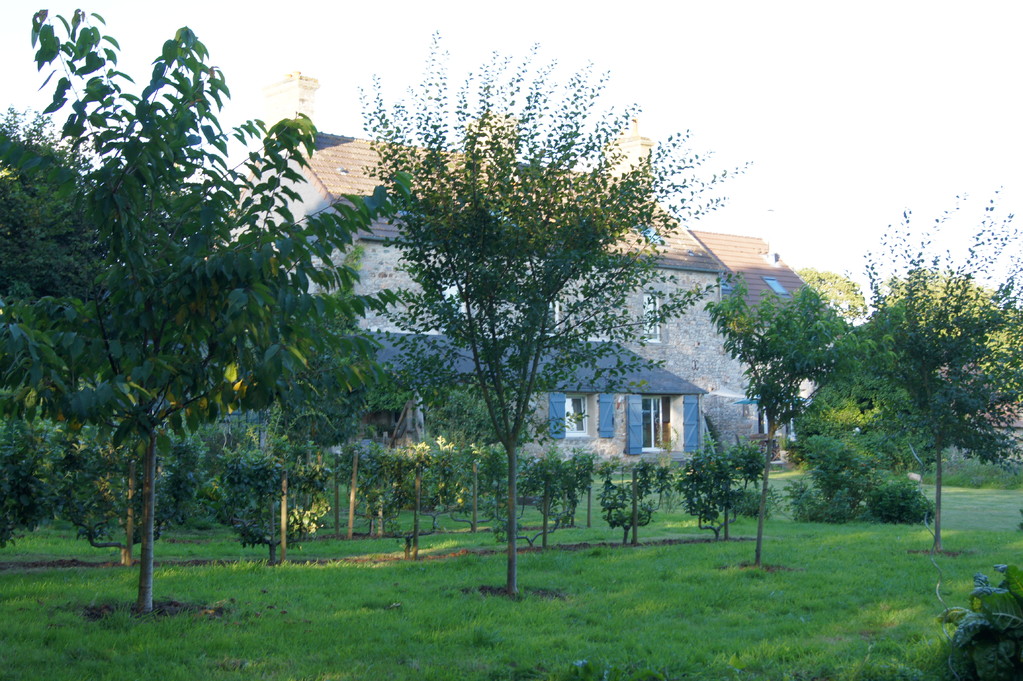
column 841, row 292
column 951, row 332
column 783, row 345
column 208, row 298
column 526, row 232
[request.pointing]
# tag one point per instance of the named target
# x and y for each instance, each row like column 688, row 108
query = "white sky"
column 849, row 112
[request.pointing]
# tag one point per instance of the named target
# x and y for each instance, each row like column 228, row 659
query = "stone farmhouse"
column 697, row 390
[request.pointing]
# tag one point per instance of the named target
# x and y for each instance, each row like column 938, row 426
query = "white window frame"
column 651, row 329
column 577, row 424
column 654, row 429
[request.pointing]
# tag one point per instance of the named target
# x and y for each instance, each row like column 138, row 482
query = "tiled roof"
column 344, row 165
column 751, row 258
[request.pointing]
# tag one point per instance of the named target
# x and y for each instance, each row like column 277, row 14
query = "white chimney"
column 633, row 147
column 289, row 97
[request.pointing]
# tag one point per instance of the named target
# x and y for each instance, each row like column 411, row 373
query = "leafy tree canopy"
column 47, row 245
column 784, row 346
column 841, row 292
column 951, row 337
column 211, row 294
column 529, row 231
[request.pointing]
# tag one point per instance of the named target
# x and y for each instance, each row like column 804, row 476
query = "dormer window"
column 776, row 287
column 651, row 235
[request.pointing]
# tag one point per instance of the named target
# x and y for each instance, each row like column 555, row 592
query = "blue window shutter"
column 691, row 422
column 606, row 415
column 556, row 414
column 634, row 424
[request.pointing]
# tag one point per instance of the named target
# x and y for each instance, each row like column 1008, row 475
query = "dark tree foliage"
column 528, row 233
column 784, row 345
column 48, row 246
column 951, row 338
column 210, row 297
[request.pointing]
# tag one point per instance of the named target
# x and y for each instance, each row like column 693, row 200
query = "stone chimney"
column 633, row 147
column 289, row 97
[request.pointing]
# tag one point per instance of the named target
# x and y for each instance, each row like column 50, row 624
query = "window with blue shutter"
column 634, row 424
column 556, row 414
column 606, row 415
column 691, row 422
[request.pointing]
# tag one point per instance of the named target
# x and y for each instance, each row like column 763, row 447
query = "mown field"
column 838, row 602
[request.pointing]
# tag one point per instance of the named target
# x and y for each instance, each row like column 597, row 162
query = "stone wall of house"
column 689, row 348
column 379, row 269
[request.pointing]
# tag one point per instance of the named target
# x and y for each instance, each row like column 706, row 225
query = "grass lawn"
column 844, row 602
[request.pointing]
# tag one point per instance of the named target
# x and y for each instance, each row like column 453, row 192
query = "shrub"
column 808, row 504
column 841, row 479
column 898, row 500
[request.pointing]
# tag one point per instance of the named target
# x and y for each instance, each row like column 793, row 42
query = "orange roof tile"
column 751, row 258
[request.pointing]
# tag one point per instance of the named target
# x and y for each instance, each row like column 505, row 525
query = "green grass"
column 959, row 471
column 852, row 602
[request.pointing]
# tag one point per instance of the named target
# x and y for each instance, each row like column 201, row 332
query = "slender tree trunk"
column 337, row 504
column 144, row 603
column 475, row 495
column 939, row 443
column 513, row 526
column 589, row 505
column 546, row 510
column 284, row 516
column 129, row 521
column 763, row 493
column 635, row 511
column 273, row 526
column 728, row 494
column 415, row 517
column 351, row 494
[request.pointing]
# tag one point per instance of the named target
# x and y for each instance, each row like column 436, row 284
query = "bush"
column 841, row 480
column 898, row 500
column 808, row 504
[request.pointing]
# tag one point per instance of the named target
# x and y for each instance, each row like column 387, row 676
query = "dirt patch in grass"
column 947, row 554
column 59, row 563
column 766, row 568
column 582, row 546
column 164, row 608
column 501, row 592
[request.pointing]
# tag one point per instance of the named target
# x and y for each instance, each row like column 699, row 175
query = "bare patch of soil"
column 165, row 608
column 581, row 546
column 947, row 554
column 501, row 592
column 765, row 568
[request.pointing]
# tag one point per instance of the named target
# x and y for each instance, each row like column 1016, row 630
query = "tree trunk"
column 337, row 504
column 273, row 524
column 415, row 517
column 351, row 494
column 475, row 495
column 129, row 521
column 589, row 505
column 284, row 516
column 939, row 442
column 546, row 510
column 771, row 428
column 635, row 511
column 513, row 527
column 144, row 603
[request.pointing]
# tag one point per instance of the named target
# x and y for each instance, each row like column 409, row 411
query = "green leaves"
column 990, row 631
